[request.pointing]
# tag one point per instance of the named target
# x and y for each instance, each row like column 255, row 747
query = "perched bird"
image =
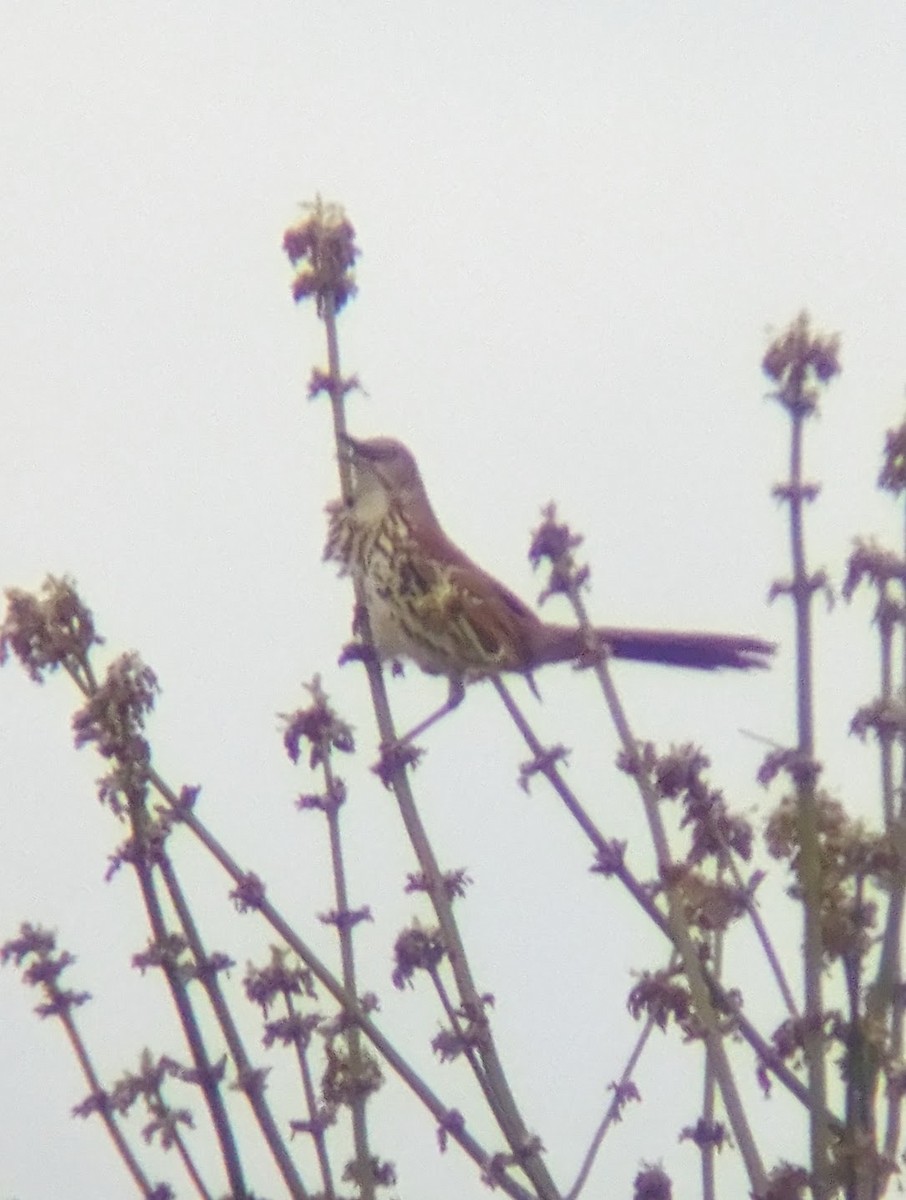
column 429, row 602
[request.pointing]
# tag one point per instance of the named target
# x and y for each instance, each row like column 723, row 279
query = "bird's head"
column 382, row 468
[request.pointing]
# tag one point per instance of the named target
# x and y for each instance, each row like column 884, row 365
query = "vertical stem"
column 707, row 1151
column 338, row 408
column 807, row 814
column 353, row 1036
column 886, row 735
column 893, row 935
column 506, row 1111
column 347, row 959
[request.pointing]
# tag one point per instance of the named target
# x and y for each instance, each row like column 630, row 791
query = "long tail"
column 702, row 651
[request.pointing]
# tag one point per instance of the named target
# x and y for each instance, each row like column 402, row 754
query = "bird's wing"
column 495, row 618
column 493, row 623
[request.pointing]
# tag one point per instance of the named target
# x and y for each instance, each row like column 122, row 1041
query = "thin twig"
column 614, row 1108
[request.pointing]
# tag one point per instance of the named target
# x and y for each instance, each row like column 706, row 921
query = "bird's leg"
column 454, row 699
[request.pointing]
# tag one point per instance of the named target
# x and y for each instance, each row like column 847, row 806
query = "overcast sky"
column 579, row 223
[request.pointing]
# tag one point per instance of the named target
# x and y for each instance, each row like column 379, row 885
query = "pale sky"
column 578, row 224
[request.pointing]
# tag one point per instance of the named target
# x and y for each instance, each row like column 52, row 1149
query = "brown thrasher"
column 427, row 601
